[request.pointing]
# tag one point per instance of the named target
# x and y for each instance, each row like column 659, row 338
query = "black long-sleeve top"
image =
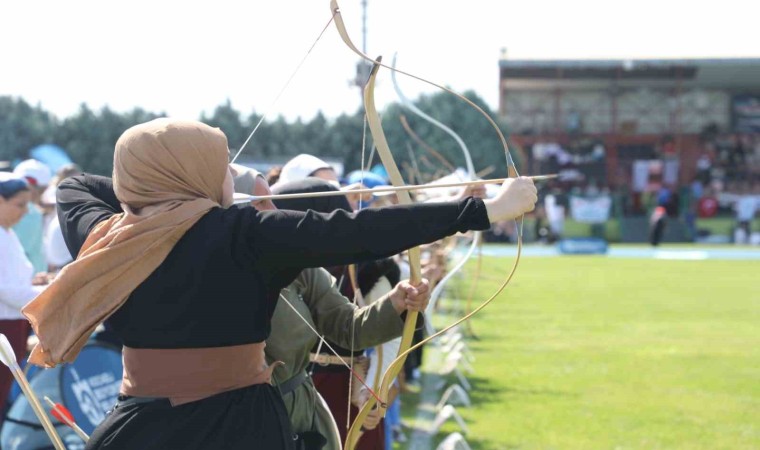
column 218, row 286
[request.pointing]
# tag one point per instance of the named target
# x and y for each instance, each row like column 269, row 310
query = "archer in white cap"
column 303, row 166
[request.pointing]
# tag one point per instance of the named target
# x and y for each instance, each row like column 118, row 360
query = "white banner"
column 590, row 209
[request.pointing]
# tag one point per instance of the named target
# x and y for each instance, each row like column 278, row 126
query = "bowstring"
column 324, row 342
column 355, row 286
column 284, row 87
column 287, row 83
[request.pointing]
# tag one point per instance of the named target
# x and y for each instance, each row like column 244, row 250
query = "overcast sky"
column 185, row 57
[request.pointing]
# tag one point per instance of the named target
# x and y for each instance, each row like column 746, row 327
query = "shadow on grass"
column 421, row 405
column 485, row 391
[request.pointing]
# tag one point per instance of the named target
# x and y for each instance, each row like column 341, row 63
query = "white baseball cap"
column 37, row 173
column 301, row 167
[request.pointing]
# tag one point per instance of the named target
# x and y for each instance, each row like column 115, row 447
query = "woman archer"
column 315, row 312
column 189, row 284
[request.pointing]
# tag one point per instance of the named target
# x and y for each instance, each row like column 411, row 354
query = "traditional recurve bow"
column 383, row 149
column 414, row 262
column 471, row 175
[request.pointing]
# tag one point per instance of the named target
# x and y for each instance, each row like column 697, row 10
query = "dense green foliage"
column 89, row 136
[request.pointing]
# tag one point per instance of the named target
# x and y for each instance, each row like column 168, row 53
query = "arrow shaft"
column 80, row 432
column 61, row 413
column 36, row 407
column 254, row 198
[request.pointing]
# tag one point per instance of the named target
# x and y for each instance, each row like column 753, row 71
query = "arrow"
column 244, row 198
column 8, row 357
column 63, row 414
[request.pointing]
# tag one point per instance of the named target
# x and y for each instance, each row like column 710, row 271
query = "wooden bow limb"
column 485, row 172
column 243, row 198
column 415, row 167
column 425, row 160
column 398, row 363
column 412, row 107
column 359, row 299
column 415, row 278
column 438, row 289
column 416, row 138
column 355, row 301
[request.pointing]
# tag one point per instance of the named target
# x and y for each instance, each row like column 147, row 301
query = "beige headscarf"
column 173, row 169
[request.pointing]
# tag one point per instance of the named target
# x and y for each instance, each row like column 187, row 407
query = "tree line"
column 88, row 136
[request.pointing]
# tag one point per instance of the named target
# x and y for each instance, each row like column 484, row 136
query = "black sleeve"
column 283, row 239
column 369, row 274
column 83, row 202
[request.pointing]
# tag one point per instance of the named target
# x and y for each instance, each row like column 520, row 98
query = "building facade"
column 634, row 108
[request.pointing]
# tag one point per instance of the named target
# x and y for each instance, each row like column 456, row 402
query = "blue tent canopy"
column 51, row 155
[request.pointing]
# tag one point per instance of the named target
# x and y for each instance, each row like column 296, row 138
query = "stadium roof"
column 728, row 73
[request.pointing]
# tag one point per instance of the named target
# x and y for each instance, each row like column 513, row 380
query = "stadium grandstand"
column 678, row 133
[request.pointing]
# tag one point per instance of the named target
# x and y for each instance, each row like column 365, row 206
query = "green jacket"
column 315, row 296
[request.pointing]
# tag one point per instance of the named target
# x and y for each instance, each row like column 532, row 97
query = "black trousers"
column 250, row 418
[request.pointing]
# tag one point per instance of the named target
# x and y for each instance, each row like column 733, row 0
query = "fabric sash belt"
column 190, row 374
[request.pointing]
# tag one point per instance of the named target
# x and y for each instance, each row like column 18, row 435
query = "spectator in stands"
column 667, row 197
column 737, row 154
column 555, row 213
column 746, row 207
column 704, row 166
column 540, row 228
column 707, row 205
column 693, row 195
column 657, row 225
column 669, row 149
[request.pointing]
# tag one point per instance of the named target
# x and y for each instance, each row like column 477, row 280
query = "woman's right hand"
column 516, row 197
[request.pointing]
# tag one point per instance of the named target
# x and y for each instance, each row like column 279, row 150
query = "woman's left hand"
column 412, row 298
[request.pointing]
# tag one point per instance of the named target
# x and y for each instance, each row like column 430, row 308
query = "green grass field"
column 586, row 352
